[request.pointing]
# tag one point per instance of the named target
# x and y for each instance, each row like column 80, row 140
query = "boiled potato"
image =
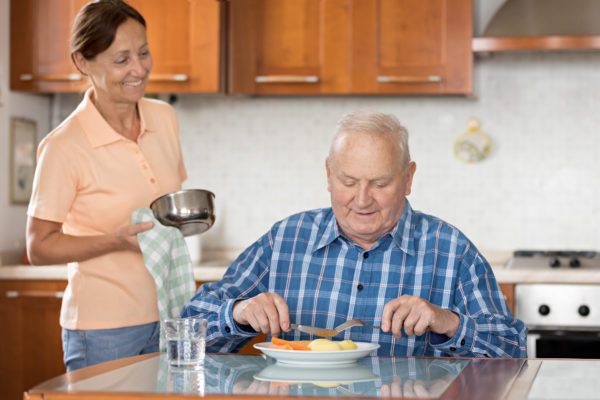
column 326, row 384
column 348, row 345
column 324, row 345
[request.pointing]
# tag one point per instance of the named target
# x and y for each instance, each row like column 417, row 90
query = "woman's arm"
column 47, row 244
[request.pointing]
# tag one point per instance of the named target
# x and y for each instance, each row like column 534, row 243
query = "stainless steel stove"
column 563, row 319
column 558, row 260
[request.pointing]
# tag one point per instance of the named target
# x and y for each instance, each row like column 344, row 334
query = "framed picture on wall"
column 23, row 144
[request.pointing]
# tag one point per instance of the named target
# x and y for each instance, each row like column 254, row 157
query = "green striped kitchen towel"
column 168, row 261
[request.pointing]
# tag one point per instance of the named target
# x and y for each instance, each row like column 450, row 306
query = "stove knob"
column 554, row 262
column 574, row 262
column 584, row 311
column 544, row 309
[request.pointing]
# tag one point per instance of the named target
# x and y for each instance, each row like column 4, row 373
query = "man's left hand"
column 416, row 316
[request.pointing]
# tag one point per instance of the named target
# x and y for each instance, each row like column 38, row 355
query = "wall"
column 264, row 156
column 35, row 107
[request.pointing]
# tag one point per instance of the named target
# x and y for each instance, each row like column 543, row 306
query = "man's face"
column 367, row 183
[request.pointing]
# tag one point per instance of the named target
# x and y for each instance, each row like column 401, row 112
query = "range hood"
column 542, row 25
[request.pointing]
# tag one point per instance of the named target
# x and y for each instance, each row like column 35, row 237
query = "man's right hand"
column 266, row 313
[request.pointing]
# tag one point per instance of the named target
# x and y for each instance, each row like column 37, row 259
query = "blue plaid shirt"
column 326, row 279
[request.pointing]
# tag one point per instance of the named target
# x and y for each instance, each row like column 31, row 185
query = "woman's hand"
column 127, row 235
column 47, row 244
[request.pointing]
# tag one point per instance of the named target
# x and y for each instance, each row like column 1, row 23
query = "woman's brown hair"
column 96, row 24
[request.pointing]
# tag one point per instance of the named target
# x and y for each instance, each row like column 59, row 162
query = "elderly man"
column 370, row 256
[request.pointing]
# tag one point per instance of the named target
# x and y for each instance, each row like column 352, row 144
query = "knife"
column 312, row 330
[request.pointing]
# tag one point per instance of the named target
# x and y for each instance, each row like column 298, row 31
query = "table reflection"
column 258, row 375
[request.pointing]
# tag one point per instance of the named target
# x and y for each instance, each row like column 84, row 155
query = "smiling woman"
column 113, row 155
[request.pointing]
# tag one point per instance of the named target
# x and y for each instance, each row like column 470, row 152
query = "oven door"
column 563, row 344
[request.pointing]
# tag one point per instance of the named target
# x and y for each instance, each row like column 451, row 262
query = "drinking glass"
column 186, row 342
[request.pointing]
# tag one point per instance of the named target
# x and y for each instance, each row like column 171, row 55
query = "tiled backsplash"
column 264, row 157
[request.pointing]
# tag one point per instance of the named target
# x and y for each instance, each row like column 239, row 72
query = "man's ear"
column 410, row 173
column 81, row 63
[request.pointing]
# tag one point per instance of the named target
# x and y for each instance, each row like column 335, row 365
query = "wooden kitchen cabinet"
column 40, row 60
column 350, row 46
column 30, row 334
column 184, row 39
column 288, row 46
column 412, row 46
column 508, row 290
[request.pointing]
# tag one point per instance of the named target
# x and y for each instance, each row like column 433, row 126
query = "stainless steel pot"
column 190, row 210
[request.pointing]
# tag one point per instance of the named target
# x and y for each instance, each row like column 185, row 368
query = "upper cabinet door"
column 183, row 36
column 184, row 39
column 412, row 46
column 40, row 59
column 288, row 46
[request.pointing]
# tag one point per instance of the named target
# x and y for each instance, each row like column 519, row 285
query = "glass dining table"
column 257, row 376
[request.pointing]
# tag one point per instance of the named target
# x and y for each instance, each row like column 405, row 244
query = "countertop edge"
column 214, row 269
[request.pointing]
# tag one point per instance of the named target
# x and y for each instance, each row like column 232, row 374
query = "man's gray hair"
column 374, row 123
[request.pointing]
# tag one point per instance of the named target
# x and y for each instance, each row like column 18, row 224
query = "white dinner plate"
column 317, row 358
column 290, row 373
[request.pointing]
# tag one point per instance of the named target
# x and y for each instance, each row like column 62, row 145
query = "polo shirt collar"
column 402, row 234
column 98, row 131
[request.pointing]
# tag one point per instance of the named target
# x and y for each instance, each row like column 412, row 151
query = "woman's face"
column 120, row 73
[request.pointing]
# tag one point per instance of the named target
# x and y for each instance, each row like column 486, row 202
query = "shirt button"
column 462, row 342
column 360, row 286
column 366, row 254
column 227, row 329
column 452, row 348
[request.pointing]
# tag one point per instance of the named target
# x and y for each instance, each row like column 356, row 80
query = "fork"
column 354, row 322
column 331, row 332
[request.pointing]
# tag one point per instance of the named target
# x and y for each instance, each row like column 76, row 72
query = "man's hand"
column 266, row 313
column 417, row 316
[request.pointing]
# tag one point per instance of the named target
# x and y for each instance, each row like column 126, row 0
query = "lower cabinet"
column 508, row 290
column 30, row 334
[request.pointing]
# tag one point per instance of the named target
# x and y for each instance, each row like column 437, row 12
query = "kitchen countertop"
column 216, row 263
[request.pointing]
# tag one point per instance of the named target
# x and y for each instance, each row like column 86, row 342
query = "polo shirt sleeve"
column 54, row 183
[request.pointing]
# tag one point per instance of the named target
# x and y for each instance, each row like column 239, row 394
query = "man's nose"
column 363, row 196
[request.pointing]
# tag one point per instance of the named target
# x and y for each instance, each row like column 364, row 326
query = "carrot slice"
column 294, row 345
column 281, row 347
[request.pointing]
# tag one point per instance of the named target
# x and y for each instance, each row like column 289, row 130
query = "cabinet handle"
column 168, row 78
column 13, row 294
column 286, row 79
column 409, row 79
column 51, row 77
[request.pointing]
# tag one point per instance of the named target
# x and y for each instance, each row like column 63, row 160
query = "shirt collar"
column 402, row 234
column 98, row 131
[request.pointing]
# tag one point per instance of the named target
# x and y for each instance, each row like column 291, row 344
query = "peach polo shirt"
column 90, row 179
